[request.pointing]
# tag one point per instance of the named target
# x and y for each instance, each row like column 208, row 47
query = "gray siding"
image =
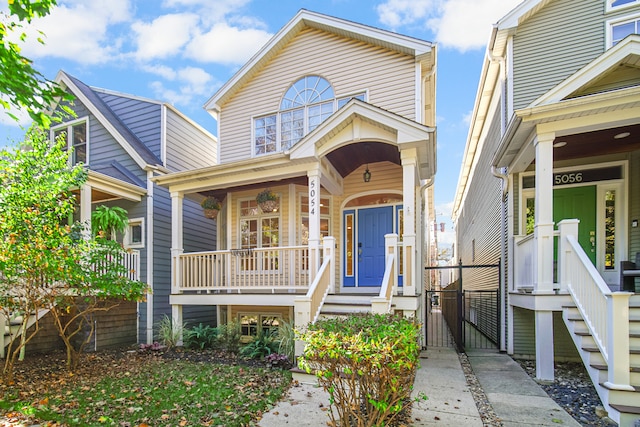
column 556, row 42
column 480, row 225
column 141, row 117
column 524, row 334
column 188, row 147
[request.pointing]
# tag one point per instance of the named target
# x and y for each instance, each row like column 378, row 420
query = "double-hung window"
column 75, row 135
column 621, row 26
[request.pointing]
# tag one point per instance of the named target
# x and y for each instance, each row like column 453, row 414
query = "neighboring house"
column 555, row 138
column 337, row 120
column 125, row 141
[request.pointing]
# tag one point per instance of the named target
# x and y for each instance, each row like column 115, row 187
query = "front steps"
column 622, row 406
column 341, row 305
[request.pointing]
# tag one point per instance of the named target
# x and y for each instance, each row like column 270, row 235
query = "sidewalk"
column 515, row 397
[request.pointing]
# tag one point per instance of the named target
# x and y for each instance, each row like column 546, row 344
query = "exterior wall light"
column 366, row 175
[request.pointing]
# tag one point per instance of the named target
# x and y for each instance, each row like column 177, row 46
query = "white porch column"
column 544, row 345
column 176, row 240
column 543, row 228
column 409, row 160
column 85, row 208
column 314, row 222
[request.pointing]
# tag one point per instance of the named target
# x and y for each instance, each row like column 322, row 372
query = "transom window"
column 75, row 134
column 304, row 106
column 619, row 3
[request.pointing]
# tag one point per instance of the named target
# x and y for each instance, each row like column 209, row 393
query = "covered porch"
column 306, row 246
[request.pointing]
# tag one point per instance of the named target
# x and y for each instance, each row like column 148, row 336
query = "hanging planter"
column 267, row 200
column 211, row 207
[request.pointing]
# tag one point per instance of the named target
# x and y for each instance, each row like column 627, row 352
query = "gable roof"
column 140, row 153
column 306, row 19
column 609, row 71
column 360, row 121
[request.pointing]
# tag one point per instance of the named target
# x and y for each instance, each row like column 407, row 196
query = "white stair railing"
column 383, row 302
column 605, row 313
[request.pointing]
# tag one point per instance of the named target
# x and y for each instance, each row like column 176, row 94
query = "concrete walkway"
column 515, row 397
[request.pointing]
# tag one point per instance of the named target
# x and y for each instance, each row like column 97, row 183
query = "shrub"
column 229, row 337
column 278, row 360
column 367, row 364
column 262, row 345
column 201, row 336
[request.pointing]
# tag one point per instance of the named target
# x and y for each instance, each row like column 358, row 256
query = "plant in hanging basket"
column 267, row 200
column 211, row 207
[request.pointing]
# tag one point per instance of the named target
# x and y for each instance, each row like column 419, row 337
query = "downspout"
column 149, row 337
column 503, row 254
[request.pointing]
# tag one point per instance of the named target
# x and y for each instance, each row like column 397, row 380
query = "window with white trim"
column 134, row 234
column 305, row 105
column 75, row 134
column 618, row 30
column 259, row 229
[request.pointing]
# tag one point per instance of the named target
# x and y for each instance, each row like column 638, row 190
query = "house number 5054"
column 567, row 178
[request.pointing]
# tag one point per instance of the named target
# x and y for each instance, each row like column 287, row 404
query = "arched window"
column 305, row 105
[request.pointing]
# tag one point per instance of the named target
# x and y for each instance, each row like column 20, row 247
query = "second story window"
column 75, row 134
column 620, row 30
column 304, row 106
column 619, row 3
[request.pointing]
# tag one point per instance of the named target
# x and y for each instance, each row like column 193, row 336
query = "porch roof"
column 587, row 109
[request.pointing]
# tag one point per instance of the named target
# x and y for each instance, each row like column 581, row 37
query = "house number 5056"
column 567, row 178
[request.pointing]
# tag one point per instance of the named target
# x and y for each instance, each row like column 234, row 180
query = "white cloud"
column 165, row 35
column 226, row 45
column 193, row 82
column 457, row 24
column 211, row 10
column 78, row 31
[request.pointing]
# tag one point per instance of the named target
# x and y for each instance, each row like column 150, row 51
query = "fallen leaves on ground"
column 133, row 389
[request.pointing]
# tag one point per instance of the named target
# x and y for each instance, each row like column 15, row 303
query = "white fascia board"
column 417, row 46
column 608, row 60
column 110, row 185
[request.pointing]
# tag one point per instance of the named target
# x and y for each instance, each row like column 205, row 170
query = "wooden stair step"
column 347, row 303
column 602, row 367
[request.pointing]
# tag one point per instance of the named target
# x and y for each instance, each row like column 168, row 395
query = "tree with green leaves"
column 47, row 264
column 21, row 84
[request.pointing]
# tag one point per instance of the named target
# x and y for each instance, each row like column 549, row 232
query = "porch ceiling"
column 597, row 143
column 348, row 158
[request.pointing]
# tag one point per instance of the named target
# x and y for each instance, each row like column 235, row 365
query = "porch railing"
column 605, row 313
column 383, row 302
column 131, row 261
column 245, row 269
column 524, row 256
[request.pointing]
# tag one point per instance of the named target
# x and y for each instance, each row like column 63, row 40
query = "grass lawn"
column 134, row 389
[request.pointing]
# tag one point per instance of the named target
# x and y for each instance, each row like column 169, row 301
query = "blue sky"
column 182, row 51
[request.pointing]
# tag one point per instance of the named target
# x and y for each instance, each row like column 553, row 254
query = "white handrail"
column 383, row 302
column 605, row 313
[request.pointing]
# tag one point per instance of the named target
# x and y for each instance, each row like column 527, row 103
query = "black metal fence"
column 463, row 318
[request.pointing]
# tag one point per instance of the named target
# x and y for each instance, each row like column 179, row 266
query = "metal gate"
column 460, row 318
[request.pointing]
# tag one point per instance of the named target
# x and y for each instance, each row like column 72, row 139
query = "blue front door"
column 369, row 255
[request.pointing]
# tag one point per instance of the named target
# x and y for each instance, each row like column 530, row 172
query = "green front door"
column 580, row 203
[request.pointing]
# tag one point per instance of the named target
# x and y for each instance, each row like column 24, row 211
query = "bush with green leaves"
column 367, row 363
column 201, row 336
column 229, row 336
column 260, row 346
